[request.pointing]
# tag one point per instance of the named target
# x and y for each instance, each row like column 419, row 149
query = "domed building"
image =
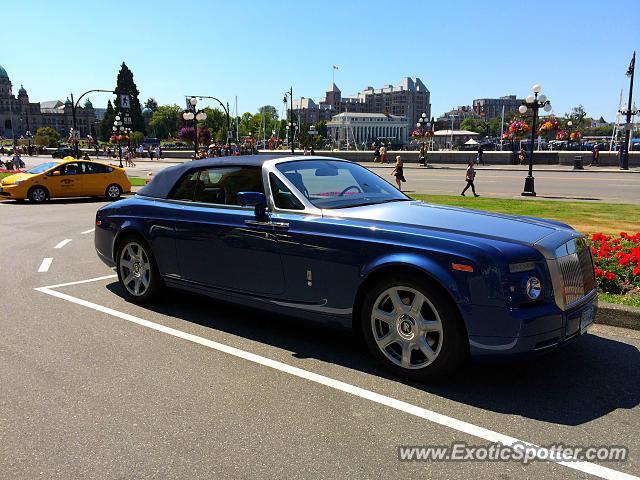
column 19, row 117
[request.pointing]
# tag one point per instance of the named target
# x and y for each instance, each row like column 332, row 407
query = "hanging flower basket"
column 561, row 135
column 549, row 129
column 575, row 136
column 519, row 130
column 187, row 134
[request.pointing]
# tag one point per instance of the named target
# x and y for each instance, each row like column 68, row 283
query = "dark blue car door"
column 218, row 243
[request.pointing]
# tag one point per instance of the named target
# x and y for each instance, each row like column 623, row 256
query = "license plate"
column 586, row 319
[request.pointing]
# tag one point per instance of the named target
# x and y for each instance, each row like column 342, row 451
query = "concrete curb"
column 617, row 315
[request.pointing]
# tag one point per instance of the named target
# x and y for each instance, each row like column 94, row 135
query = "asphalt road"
column 596, row 184
column 94, row 387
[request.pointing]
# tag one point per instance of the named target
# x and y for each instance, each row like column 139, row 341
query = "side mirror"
column 56, row 173
column 253, row 199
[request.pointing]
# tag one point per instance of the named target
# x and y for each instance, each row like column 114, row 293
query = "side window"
column 72, row 168
column 95, row 168
column 185, row 188
column 282, row 196
column 222, row 184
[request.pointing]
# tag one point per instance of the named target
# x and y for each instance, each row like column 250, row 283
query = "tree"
column 151, row 103
column 577, row 117
column 216, row 120
column 269, row 110
column 107, row 123
column 47, row 136
column 164, row 121
column 137, row 137
column 126, row 85
column 475, row 125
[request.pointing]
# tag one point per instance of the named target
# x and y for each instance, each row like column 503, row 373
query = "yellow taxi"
column 66, row 178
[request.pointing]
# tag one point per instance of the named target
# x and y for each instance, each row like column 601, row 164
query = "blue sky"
column 578, row 51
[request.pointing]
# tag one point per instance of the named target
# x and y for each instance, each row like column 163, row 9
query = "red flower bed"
column 617, row 261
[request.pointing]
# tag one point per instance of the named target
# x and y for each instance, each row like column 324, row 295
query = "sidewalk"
column 407, row 165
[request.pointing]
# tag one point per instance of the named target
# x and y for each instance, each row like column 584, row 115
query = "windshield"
column 43, row 168
column 336, row 184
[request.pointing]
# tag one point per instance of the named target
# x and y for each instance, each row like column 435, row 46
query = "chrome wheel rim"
column 135, row 269
column 113, row 191
column 38, row 195
column 406, row 327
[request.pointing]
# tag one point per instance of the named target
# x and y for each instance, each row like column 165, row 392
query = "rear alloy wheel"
column 37, row 194
column 113, row 191
column 411, row 330
column 137, row 271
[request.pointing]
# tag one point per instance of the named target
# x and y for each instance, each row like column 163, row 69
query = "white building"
column 367, row 128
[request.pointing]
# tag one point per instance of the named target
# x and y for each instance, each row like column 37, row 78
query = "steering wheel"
column 349, row 188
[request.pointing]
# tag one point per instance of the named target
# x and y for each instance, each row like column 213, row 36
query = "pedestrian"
column 383, row 154
column 470, row 177
column 150, row 152
column 306, row 152
column 480, row 153
column 398, row 171
column 620, row 156
column 521, row 156
column 157, row 152
column 312, row 151
column 595, row 156
column 376, row 154
column 423, row 155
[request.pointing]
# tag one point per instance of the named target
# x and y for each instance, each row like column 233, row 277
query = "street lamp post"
column 534, row 103
column 195, row 115
column 424, row 125
column 118, row 128
column 629, row 111
column 226, row 111
column 569, row 125
column 291, row 124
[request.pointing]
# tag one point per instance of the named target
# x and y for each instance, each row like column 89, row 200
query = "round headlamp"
column 533, row 288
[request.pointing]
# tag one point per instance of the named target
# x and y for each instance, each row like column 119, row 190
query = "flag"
column 631, row 65
column 335, row 68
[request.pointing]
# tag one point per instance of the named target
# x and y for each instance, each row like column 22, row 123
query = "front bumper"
column 570, row 325
column 11, row 191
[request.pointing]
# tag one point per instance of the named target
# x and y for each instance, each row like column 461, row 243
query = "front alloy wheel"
column 137, row 273
column 412, row 330
column 406, row 327
column 37, row 194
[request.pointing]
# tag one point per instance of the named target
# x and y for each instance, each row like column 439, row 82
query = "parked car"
column 318, row 238
column 69, row 178
column 62, row 152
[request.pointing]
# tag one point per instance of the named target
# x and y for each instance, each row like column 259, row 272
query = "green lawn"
column 609, row 218
column 632, row 300
column 138, row 182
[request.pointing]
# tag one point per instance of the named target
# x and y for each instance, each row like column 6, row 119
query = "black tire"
column 113, row 191
column 37, row 194
column 131, row 251
column 426, row 328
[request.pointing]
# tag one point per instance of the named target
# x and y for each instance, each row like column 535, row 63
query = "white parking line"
column 87, row 231
column 46, row 263
column 459, row 425
column 62, row 243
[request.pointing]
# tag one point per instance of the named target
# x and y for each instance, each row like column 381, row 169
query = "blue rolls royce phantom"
column 422, row 285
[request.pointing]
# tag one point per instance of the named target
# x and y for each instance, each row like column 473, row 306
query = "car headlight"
column 16, row 182
column 533, row 288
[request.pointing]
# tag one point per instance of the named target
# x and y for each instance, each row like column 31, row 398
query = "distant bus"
column 151, row 141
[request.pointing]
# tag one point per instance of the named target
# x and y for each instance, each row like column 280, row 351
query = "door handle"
column 258, row 223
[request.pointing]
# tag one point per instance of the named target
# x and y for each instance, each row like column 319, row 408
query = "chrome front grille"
column 576, row 266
